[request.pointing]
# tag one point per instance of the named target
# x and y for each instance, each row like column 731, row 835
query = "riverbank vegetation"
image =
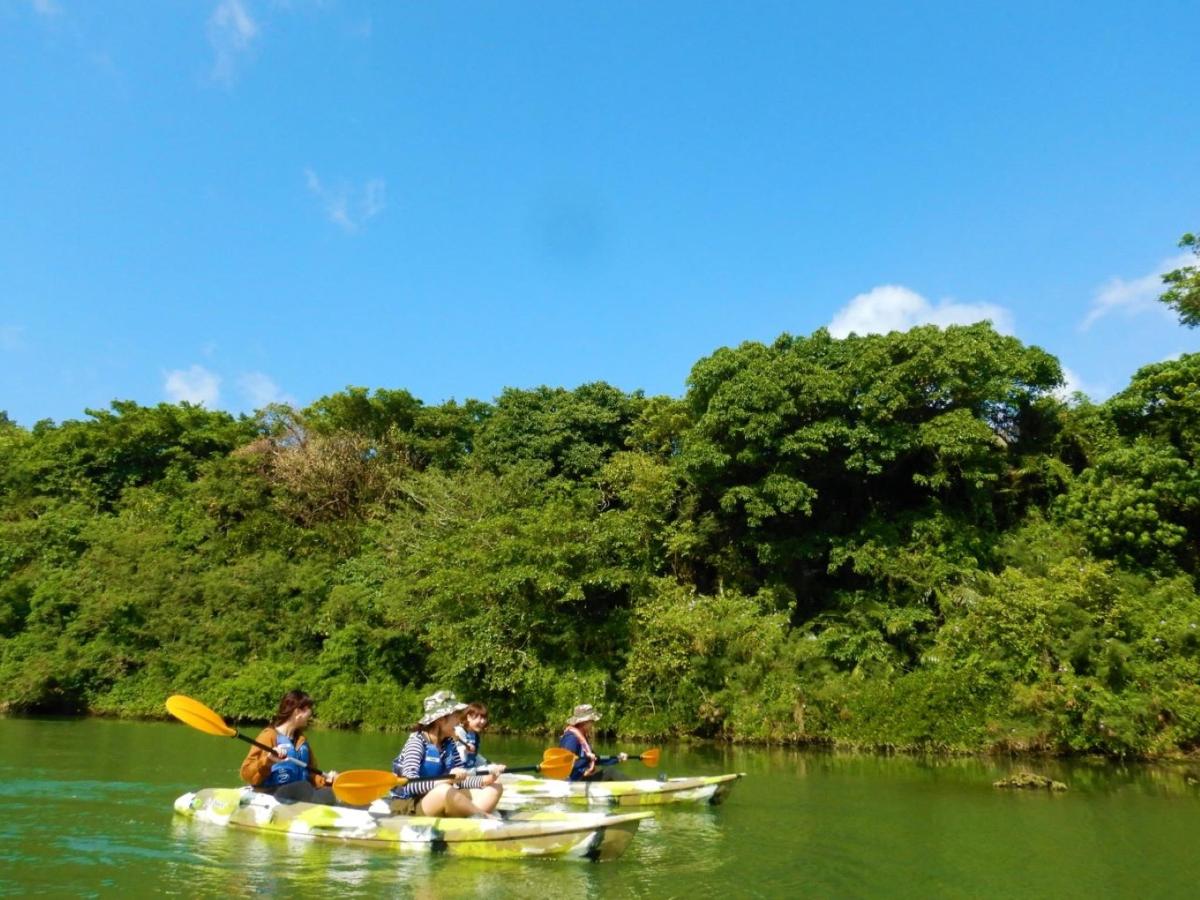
column 907, row 540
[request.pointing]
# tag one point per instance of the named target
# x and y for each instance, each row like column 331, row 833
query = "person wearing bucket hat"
column 577, row 737
column 430, row 754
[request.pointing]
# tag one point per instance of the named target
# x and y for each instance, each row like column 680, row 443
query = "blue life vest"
column 290, row 769
column 438, row 761
column 468, row 742
column 435, row 762
column 585, row 767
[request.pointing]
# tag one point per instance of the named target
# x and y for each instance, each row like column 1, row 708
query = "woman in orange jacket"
column 287, row 773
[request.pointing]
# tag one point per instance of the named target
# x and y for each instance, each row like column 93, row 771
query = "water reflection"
column 243, row 864
column 677, row 842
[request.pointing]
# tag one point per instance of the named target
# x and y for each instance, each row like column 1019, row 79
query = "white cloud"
column 374, row 197
column 348, row 207
column 45, row 7
column 1136, row 296
column 259, row 389
column 231, row 30
column 193, row 385
column 892, row 307
column 1074, row 383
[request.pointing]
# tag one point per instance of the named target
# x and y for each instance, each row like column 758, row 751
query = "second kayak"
column 522, row 791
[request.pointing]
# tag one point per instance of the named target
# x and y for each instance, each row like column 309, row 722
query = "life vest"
column 294, row 768
column 469, row 742
column 437, row 761
column 585, row 750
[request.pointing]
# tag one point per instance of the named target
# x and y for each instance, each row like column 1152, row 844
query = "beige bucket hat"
column 584, row 712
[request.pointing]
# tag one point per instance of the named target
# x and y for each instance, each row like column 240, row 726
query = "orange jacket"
column 257, row 764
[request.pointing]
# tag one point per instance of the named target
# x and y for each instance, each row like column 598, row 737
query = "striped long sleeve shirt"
column 408, row 765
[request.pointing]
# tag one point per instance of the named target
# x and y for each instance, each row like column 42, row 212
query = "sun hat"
column 440, row 704
column 583, row 713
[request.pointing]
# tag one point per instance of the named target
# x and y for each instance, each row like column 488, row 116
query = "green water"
column 86, row 811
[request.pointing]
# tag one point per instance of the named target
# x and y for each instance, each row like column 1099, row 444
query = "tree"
column 812, row 443
column 120, row 447
column 1183, row 293
column 1138, row 498
column 571, row 432
column 440, row 436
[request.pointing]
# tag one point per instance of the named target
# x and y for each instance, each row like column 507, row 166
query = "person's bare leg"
column 448, row 800
column 460, row 803
column 434, row 803
column 487, row 798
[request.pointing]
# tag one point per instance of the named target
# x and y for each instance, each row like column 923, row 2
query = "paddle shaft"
column 271, row 750
column 484, row 770
column 402, row 780
column 649, row 757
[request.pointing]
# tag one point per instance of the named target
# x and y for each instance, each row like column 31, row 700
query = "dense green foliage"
column 1183, row 286
column 903, row 540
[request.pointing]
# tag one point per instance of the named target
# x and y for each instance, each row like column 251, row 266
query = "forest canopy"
column 909, row 540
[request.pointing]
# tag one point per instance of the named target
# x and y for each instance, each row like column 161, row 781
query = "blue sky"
column 241, row 201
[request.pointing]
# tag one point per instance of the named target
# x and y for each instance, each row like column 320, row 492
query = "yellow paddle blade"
column 194, row 713
column 559, row 769
column 360, row 786
column 557, row 756
column 650, row 757
column 557, row 762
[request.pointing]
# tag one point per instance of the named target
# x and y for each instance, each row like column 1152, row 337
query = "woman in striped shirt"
column 430, row 754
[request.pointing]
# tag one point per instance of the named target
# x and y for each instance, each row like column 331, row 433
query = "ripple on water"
column 33, row 787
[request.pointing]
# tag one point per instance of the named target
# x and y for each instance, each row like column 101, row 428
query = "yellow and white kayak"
column 532, row 833
column 522, row 791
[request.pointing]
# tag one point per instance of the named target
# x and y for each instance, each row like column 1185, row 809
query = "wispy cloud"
column 193, row 385
column 348, row 207
column 892, row 307
column 1074, row 383
column 45, row 7
column 1135, row 296
column 12, row 338
column 231, row 31
column 259, row 389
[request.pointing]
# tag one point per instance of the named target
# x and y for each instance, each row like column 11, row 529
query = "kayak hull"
column 533, row 833
column 521, row 792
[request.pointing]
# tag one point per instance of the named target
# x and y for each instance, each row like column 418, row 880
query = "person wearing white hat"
column 429, row 755
column 577, row 737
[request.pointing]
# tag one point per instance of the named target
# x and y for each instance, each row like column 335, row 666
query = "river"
column 87, row 812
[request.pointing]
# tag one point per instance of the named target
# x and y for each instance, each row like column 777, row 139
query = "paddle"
column 649, row 757
column 360, row 786
column 556, row 763
column 194, row 713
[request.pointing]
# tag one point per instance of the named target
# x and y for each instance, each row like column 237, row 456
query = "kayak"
column 521, row 791
column 532, row 833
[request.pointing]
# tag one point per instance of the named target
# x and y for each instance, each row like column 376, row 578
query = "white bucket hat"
column 443, row 703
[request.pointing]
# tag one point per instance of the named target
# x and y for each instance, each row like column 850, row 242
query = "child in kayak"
column 577, row 737
column 429, row 754
column 468, row 734
column 287, row 772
